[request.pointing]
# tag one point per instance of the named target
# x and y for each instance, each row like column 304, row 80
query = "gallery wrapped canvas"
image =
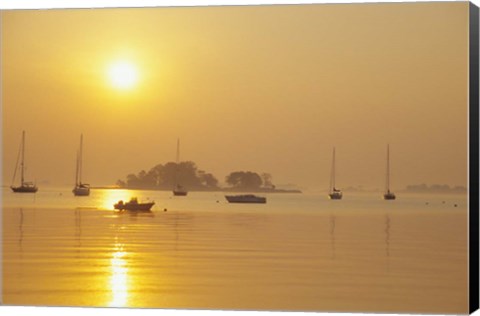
column 310, row 157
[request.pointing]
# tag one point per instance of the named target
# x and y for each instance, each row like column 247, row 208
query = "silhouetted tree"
column 168, row 175
column 132, row 180
column 244, row 180
column 209, row 180
column 267, row 180
column 156, row 173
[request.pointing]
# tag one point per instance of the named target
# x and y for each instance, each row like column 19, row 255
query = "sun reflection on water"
column 110, row 197
column 119, row 277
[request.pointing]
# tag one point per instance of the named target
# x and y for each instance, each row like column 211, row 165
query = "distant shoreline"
column 203, row 190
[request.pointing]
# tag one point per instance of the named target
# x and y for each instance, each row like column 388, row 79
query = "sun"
column 123, row 75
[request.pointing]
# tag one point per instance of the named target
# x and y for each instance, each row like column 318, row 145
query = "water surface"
column 298, row 252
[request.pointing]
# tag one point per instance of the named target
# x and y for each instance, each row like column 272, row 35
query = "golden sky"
column 261, row 88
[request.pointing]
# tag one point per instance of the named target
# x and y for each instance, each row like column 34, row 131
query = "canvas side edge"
column 473, row 157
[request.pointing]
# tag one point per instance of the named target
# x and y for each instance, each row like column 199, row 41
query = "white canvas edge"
column 76, row 311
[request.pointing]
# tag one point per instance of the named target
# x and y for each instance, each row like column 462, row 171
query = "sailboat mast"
column 332, row 175
column 76, row 171
column 16, row 163
column 387, row 182
column 178, row 190
column 22, row 165
column 80, row 162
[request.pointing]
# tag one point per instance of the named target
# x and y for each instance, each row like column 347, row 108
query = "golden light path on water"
column 110, row 197
column 119, row 277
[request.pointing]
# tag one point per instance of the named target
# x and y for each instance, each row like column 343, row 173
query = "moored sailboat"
column 178, row 190
column 388, row 195
column 25, row 186
column 334, row 193
column 80, row 189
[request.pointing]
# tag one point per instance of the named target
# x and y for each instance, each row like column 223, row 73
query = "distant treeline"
column 435, row 188
column 167, row 176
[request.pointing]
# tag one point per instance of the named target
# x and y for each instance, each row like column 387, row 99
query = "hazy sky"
column 265, row 88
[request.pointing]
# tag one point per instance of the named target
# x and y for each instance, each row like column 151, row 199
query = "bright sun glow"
column 123, row 75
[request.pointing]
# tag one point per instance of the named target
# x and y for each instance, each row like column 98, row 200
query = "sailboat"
column 334, row 193
column 25, row 186
column 178, row 190
column 80, row 189
column 388, row 195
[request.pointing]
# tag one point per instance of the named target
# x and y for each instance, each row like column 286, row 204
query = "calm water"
column 297, row 252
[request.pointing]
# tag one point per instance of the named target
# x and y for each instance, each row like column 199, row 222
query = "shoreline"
column 204, row 190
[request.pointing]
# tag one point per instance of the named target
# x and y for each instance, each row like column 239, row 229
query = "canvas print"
column 279, row 157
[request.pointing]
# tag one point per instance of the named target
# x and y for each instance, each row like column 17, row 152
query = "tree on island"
column 267, row 180
column 247, row 180
column 165, row 177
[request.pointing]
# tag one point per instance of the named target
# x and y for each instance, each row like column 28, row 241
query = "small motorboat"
column 245, row 198
column 179, row 191
column 133, row 205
